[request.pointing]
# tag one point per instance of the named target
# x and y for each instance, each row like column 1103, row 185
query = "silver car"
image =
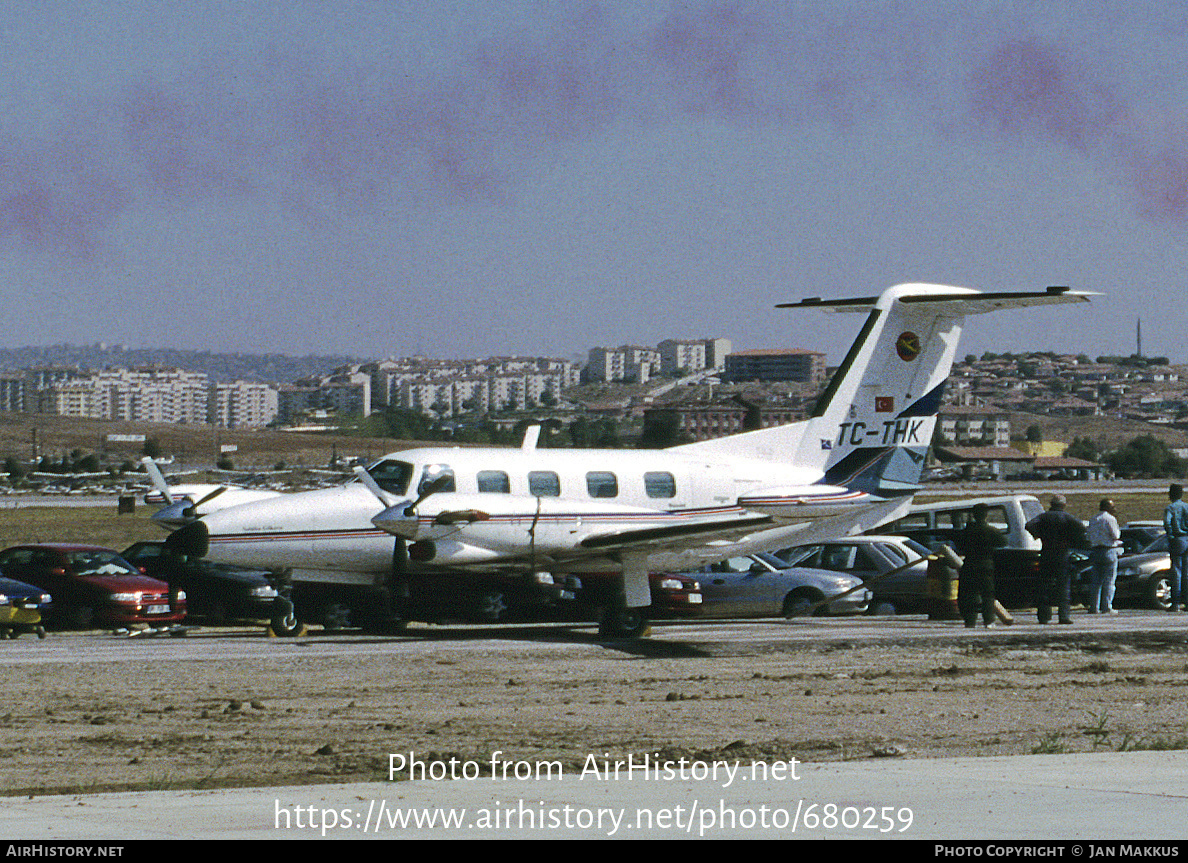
column 900, row 565
column 1144, row 579
column 761, row 585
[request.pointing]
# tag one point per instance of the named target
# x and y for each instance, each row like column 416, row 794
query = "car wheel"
column 491, row 606
column 799, row 605
column 619, row 621
column 1159, row 591
column 882, row 608
column 336, row 615
column 216, row 613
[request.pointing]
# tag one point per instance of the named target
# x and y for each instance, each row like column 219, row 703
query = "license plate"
column 157, row 609
column 695, row 599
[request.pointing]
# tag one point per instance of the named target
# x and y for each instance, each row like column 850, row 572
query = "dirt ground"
column 289, row 718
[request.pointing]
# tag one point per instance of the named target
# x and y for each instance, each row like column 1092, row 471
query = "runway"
column 1135, row 796
column 1111, row 796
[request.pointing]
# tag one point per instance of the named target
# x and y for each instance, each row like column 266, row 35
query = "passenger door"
column 737, row 587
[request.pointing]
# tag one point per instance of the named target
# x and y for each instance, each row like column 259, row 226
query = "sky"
column 537, row 178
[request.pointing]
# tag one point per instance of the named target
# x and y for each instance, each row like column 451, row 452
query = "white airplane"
column 181, row 504
column 851, row 466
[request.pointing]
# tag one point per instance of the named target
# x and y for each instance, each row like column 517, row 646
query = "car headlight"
column 45, row 599
column 181, row 596
column 543, row 577
column 3, row 599
column 671, row 584
column 264, row 592
column 126, row 597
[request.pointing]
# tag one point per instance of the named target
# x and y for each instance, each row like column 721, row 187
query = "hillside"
column 194, row 446
column 220, row 367
column 1109, row 433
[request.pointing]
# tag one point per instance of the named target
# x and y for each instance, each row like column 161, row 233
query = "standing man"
column 1175, row 522
column 976, row 543
column 1105, row 538
column 1057, row 531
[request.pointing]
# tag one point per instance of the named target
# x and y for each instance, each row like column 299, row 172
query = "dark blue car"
column 22, row 607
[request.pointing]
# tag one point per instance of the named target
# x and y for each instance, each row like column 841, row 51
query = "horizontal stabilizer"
column 953, row 302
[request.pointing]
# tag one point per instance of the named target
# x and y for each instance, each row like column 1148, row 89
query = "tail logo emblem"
column 908, row 346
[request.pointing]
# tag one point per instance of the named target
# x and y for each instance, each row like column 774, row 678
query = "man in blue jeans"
column 1175, row 522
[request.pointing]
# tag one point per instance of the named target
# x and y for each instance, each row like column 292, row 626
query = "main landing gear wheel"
column 623, row 622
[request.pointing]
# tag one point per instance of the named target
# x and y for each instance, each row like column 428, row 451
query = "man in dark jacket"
column 1057, row 531
column 975, row 586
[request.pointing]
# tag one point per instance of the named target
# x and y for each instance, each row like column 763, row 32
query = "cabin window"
column 391, row 475
column 494, row 481
column 544, row 483
column 602, row 484
column 433, row 472
column 660, row 484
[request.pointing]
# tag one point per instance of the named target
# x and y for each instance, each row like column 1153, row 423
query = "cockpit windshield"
column 392, row 476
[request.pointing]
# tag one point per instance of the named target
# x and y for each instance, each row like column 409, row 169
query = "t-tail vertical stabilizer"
column 871, row 427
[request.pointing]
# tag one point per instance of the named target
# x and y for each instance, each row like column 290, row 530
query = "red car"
column 93, row 585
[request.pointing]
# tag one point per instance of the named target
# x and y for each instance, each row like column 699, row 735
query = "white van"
column 932, row 523
column 1016, row 566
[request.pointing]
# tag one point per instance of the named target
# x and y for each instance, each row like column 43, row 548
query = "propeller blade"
column 372, row 486
column 157, row 478
column 210, row 496
column 431, row 487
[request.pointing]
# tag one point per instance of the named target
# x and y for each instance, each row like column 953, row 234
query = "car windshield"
column 99, row 563
column 918, row 548
column 1158, row 545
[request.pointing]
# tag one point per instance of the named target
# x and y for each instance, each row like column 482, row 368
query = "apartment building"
column 963, row 425
column 779, row 364
column 145, row 394
column 682, row 355
column 242, row 404
column 631, row 363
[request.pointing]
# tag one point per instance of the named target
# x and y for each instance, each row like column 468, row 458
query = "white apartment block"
column 471, row 394
column 682, row 355
column 242, row 404
column 162, row 395
column 427, row 396
column 347, row 394
column 140, row 394
column 965, row 426
column 625, row 363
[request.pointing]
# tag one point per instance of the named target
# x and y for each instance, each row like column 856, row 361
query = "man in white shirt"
column 1105, row 539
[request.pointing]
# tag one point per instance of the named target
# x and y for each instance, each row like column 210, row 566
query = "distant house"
column 1006, row 462
column 1064, row 467
column 990, row 462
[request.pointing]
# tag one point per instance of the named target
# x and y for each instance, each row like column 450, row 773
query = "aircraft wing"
column 669, row 536
column 853, row 521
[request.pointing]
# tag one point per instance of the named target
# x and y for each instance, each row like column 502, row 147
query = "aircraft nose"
column 396, row 521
